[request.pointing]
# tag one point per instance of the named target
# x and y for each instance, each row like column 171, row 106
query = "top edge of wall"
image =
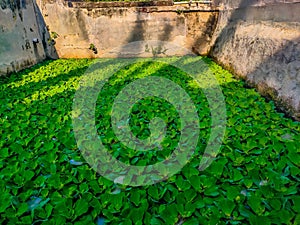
column 140, row 6
column 83, row 3
column 235, row 4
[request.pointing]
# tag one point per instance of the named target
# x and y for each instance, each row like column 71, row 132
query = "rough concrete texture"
column 19, row 27
column 80, row 27
column 260, row 42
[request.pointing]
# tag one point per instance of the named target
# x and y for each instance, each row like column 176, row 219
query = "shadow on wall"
column 275, row 75
column 138, row 38
column 136, row 34
column 47, row 41
column 201, row 42
column 166, row 33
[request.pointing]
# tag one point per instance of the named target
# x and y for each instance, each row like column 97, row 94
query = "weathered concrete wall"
column 110, row 26
column 20, row 24
column 260, row 42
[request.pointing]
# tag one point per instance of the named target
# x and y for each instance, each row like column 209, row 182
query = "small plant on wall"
column 179, row 11
column 156, row 50
column 93, row 48
column 53, row 36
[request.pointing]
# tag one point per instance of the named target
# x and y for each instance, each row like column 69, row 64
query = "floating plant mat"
column 254, row 179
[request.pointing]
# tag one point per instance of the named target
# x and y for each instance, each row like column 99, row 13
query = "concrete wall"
column 260, row 42
column 20, row 24
column 111, row 26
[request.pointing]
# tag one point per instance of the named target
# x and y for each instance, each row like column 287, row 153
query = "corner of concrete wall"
column 260, row 42
column 22, row 36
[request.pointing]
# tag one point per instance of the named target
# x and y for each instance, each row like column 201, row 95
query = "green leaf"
column 296, row 207
column 135, row 197
column 256, row 205
column 195, row 182
column 237, row 175
column 227, row 206
column 28, row 175
column 153, row 192
column 136, row 215
column 81, row 207
column 183, row 184
column 26, row 220
column 275, row 204
column 170, row 214
column 213, row 191
column 191, row 221
column 257, row 220
column 216, row 168
column 156, row 221
column 5, row 199
column 22, row 208
column 294, row 157
column 232, row 192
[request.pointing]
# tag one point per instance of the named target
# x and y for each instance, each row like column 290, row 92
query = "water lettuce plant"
column 255, row 178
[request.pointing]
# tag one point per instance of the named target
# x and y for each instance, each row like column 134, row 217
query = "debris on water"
column 287, row 137
column 116, row 191
column 244, row 192
column 34, row 203
column 119, row 180
column 263, row 183
column 47, row 176
column 75, row 163
column 100, row 221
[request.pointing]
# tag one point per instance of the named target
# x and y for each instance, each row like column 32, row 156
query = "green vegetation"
column 93, row 48
column 54, row 35
column 44, row 179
